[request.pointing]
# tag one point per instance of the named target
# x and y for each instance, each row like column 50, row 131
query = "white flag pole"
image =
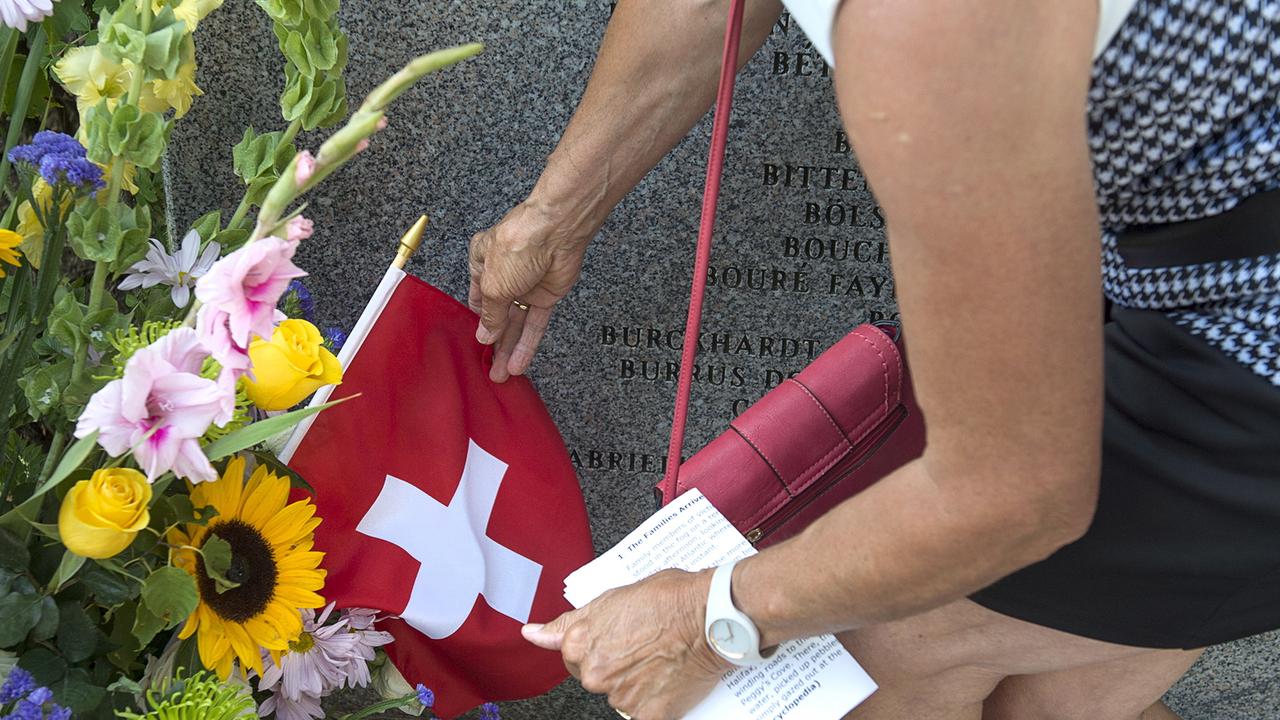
column 408, row 245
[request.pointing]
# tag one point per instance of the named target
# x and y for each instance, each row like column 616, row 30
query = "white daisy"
column 179, row 270
column 17, row 13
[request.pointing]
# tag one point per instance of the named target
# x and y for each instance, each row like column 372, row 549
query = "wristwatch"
column 730, row 632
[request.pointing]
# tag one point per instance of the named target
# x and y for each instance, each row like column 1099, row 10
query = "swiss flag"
column 447, row 500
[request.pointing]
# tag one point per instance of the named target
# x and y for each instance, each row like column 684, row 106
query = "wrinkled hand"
column 528, row 257
column 642, row 645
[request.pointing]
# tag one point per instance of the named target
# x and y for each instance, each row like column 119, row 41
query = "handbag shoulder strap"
column 710, row 198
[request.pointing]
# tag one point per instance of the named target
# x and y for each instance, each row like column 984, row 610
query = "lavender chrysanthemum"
column 18, row 685
column 489, row 711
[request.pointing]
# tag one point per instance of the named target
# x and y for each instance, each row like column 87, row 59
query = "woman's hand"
column 527, row 257
column 642, row 645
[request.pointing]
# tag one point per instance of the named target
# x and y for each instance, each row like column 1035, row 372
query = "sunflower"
column 271, row 559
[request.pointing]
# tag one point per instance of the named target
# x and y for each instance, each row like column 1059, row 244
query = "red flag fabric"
column 447, row 500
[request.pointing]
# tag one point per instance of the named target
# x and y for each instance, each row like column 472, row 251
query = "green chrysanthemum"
column 197, row 697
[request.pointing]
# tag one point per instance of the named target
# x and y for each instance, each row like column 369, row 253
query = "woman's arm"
column 654, row 78
column 969, row 121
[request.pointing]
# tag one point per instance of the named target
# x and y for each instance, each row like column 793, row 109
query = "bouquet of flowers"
column 153, row 560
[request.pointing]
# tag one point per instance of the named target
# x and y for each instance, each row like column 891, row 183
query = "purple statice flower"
column 46, row 142
column 18, row 685
column 334, row 337
column 58, row 712
column 40, row 695
column 297, row 295
column 26, row 710
column 75, row 171
column 489, row 711
column 426, row 697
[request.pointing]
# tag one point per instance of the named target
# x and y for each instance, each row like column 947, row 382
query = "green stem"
column 22, row 100
column 97, row 287
column 241, row 210
column 55, row 452
column 379, row 707
column 291, row 132
column 288, row 137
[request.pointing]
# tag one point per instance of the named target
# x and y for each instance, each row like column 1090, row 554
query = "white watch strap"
column 720, row 607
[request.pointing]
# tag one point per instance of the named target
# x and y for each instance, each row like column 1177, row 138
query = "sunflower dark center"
column 253, row 565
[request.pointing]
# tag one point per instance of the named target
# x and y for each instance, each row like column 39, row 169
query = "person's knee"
column 1019, row 699
column 923, row 674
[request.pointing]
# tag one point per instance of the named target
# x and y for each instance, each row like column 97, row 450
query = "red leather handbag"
column 847, row 420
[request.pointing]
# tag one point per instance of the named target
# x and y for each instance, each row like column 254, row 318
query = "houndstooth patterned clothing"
column 1184, row 123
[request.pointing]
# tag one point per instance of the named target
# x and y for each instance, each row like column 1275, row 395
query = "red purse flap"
column 810, row 422
column 801, row 429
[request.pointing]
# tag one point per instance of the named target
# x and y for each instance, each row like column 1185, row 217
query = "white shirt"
column 816, row 18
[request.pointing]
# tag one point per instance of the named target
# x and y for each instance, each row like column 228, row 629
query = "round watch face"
column 730, row 639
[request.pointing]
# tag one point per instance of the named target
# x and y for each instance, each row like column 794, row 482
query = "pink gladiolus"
column 382, row 123
column 160, row 409
column 300, row 229
column 240, row 293
column 305, row 168
column 362, row 145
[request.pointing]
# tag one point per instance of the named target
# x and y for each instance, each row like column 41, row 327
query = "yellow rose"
column 101, row 515
column 289, row 367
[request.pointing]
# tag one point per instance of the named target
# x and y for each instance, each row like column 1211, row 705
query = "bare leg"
column 944, row 664
column 1129, row 688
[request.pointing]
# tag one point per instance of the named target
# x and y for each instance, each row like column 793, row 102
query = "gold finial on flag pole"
column 410, row 242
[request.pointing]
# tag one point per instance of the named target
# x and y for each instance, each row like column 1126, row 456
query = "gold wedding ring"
column 520, row 305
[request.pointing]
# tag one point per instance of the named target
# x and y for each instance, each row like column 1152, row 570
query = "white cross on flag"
column 448, row 501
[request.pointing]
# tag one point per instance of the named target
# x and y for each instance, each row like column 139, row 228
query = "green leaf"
column 278, row 468
column 78, row 692
column 135, row 231
column 170, row 595
column 48, row 624
column 68, row 18
column 124, row 684
column 13, row 553
column 217, row 561
column 71, row 460
column 146, row 625
column 46, row 667
column 207, row 226
column 233, row 238
column 163, row 52
column 43, row 388
column 39, row 91
column 108, row 588
column 94, row 232
column 67, row 569
column 6, row 581
column 78, row 636
column 258, row 432
column 65, row 321
column 18, row 615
